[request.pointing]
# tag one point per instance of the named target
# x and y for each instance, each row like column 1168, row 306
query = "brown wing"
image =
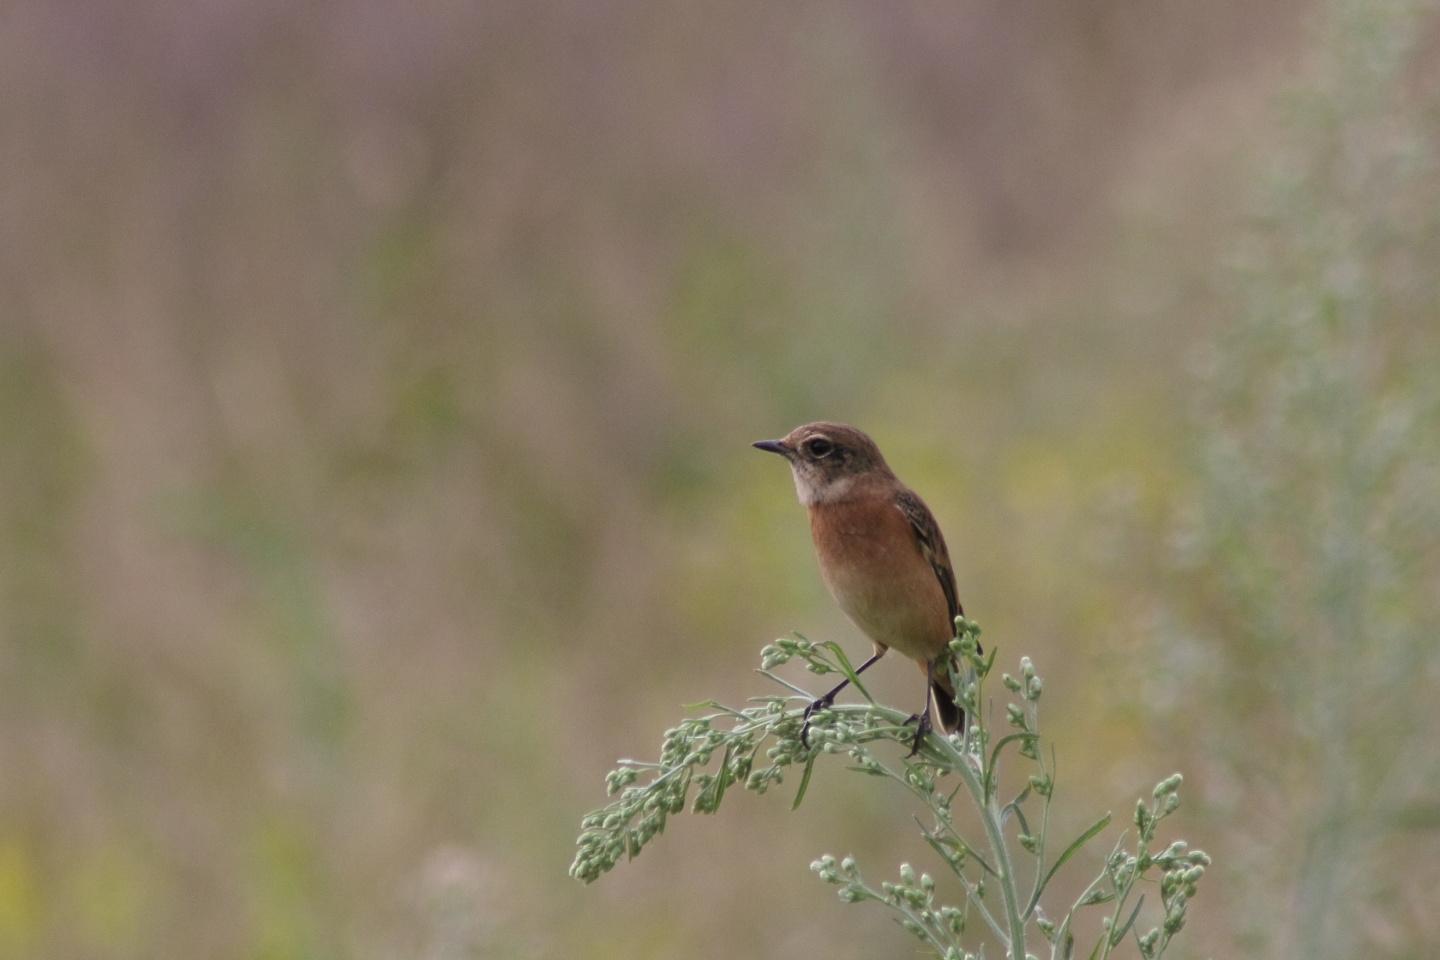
column 932, row 546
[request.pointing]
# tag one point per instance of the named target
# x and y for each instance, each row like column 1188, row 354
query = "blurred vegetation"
column 375, row 386
column 1308, row 552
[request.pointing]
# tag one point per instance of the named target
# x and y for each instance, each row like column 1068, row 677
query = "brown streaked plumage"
column 881, row 554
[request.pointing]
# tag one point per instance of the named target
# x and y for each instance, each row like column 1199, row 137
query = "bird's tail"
column 945, row 714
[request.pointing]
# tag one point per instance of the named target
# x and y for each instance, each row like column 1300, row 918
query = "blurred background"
column 376, row 385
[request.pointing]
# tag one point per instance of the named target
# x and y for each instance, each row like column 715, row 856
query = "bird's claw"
column 821, row 704
column 922, row 730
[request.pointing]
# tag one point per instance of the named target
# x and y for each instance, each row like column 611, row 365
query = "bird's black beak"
column 774, row 446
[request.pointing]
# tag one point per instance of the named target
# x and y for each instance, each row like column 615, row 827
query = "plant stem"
column 990, row 818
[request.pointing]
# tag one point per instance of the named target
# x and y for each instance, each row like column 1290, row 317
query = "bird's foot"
column 821, row 704
column 922, row 730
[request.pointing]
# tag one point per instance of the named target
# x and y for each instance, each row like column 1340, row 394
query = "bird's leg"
column 829, row 698
column 922, row 719
column 922, row 730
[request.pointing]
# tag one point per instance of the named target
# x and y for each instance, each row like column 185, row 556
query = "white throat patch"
column 811, row 492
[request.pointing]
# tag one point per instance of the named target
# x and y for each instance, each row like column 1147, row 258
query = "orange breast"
column 875, row 570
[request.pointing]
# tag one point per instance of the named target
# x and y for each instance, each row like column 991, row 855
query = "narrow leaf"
column 1070, row 851
column 1014, row 807
column 1119, row 935
column 786, row 683
column 804, row 783
column 958, row 843
column 847, row 668
column 1000, row 744
column 723, row 779
column 882, row 772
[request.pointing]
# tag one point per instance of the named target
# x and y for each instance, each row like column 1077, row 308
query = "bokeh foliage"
column 1312, row 531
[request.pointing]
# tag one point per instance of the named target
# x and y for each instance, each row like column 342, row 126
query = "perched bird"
column 881, row 554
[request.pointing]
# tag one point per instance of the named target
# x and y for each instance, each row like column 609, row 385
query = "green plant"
column 1004, row 874
column 1304, row 596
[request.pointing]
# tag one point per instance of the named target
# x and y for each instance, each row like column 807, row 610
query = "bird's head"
column 828, row 460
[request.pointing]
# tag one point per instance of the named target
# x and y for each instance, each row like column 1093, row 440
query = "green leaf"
column 1000, row 744
column 1119, row 935
column 723, row 779
column 1069, row 852
column 959, row 844
column 847, row 668
column 1014, row 807
column 804, row 783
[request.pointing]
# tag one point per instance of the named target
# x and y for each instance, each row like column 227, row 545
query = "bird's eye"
column 819, row 447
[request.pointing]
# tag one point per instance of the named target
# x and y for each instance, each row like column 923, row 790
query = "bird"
column 882, row 556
